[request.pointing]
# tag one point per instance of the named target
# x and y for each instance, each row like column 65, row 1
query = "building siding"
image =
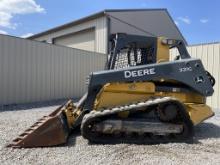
column 32, row 71
column 100, row 25
column 140, row 22
column 210, row 56
column 83, row 40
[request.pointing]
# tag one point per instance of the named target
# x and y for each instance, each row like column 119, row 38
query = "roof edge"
column 138, row 9
column 93, row 16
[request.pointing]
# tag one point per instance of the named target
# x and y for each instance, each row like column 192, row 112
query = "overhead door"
column 84, row 40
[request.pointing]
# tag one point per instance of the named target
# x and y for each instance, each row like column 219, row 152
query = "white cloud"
column 185, row 20
column 27, row 35
column 10, row 8
column 3, row 32
column 5, row 19
column 177, row 23
column 204, row 20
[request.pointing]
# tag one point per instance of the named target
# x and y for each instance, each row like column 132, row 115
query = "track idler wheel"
column 176, row 113
column 167, row 112
column 87, row 129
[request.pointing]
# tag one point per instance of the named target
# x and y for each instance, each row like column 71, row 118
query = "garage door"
column 81, row 40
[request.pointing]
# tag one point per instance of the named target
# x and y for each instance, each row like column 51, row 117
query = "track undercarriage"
column 146, row 122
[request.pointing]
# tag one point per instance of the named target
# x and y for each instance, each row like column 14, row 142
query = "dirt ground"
column 14, row 120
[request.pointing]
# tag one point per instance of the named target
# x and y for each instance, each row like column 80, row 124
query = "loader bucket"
column 48, row 131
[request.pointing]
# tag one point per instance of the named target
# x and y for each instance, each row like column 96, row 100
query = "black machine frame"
column 187, row 71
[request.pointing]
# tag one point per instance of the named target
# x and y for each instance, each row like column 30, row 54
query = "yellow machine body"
column 126, row 93
column 114, row 94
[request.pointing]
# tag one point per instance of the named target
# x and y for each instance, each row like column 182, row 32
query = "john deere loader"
column 140, row 97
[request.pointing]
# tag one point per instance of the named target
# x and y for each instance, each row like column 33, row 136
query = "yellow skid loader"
column 140, row 97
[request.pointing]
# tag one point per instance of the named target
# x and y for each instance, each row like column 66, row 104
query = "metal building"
column 92, row 32
column 33, row 71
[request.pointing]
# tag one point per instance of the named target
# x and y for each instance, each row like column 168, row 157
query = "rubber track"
column 147, row 138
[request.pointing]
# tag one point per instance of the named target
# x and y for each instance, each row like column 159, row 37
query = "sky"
column 198, row 20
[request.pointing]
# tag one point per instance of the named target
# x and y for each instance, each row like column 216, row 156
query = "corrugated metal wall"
column 210, row 56
column 84, row 40
column 32, row 71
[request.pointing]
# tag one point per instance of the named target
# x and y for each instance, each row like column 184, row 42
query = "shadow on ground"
column 72, row 138
column 206, row 131
column 202, row 132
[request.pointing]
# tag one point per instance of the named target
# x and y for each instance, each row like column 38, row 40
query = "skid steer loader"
column 140, row 97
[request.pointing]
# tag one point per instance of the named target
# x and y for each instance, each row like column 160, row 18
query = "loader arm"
column 189, row 72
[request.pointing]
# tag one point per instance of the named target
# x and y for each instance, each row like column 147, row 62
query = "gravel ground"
column 14, row 120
